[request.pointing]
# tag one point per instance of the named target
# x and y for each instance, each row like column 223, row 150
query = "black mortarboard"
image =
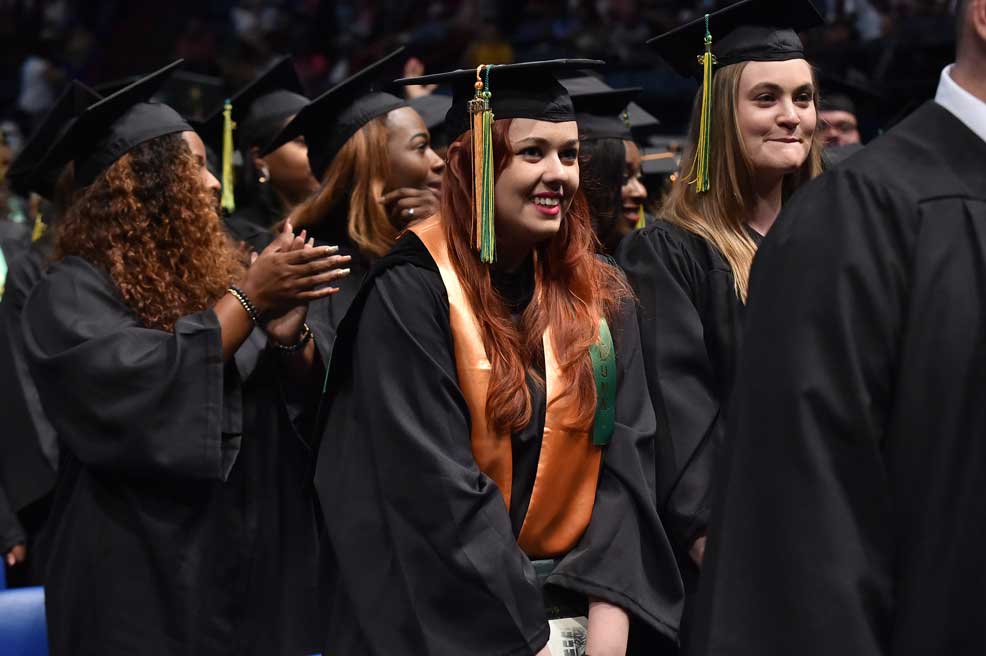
column 642, row 122
column 328, row 122
column 603, row 114
column 115, row 125
column 655, row 161
column 193, row 95
column 261, row 108
column 844, row 94
column 433, row 109
column 525, row 90
column 749, row 30
column 26, row 173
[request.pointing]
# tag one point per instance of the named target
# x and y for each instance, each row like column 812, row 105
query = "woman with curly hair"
column 372, row 154
column 131, row 340
column 489, row 423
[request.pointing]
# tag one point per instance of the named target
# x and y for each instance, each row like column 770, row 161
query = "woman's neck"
column 511, row 260
column 768, row 195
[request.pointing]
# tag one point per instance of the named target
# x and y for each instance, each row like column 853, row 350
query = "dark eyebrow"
column 541, row 141
column 419, row 134
column 775, row 88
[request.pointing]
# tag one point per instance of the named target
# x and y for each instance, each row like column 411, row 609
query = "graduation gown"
column 251, row 224
column 690, row 317
column 28, row 444
column 326, row 314
column 183, row 519
column 850, row 520
column 424, row 550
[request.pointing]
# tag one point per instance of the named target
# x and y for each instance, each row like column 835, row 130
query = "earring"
column 264, row 175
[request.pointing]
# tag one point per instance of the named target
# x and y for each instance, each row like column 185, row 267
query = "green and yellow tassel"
column 481, row 124
column 228, row 200
column 700, row 170
column 641, row 218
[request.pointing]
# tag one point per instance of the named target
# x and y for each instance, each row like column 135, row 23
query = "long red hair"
column 574, row 289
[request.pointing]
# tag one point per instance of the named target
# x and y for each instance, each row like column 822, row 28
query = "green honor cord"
column 604, row 372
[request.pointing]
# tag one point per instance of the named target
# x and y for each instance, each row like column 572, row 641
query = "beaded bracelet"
column 245, row 302
column 306, row 336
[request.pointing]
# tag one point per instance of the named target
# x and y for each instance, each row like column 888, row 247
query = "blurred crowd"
column 896, row 47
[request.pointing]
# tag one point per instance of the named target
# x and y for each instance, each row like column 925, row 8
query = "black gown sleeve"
column 681, row 377
column 801, row 555
column 11, row 531
column 625, row 557
column 426, row 558
column 126, row 398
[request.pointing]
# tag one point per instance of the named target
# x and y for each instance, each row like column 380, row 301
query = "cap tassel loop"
column 700, row 169
column 481, row 124
column 228, row 199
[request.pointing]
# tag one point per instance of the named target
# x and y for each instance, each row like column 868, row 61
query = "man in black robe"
column 850, row 520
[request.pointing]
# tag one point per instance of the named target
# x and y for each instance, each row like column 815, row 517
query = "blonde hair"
column 719, row 215
column 353, row 183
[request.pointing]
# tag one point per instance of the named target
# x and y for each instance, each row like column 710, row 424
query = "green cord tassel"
column 481, row 115
column 228, row 200
column 700, row 171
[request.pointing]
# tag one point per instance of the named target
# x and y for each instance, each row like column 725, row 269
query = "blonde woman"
column 691, row 269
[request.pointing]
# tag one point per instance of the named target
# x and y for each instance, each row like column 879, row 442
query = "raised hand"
column 409, row 204
column 285, row 274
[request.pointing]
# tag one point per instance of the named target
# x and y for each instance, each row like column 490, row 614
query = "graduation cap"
column 115, row 125
column 642, row 122
column 26, row 174
column 655, row 162
column 844, row 94
column 526, row 90
column 433, row 109
column 328, row 121
column 749, row 30
column 256, row 113
column 603, row 114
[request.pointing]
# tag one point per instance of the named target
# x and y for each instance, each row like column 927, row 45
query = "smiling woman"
column 517, row 430
column 753, row 142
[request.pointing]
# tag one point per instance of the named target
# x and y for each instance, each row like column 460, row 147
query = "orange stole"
column 568, row 467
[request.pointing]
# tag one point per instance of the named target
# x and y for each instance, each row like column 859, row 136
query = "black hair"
column 602, row 166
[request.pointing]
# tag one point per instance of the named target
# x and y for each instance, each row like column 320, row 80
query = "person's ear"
column 977, row 18
column 260, row 165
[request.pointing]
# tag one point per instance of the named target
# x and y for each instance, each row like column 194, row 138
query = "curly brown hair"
column 154, row 228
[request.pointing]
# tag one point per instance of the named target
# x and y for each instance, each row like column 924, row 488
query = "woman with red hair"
column 487, row 421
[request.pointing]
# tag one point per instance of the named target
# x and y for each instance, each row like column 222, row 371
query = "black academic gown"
column 850, row 519
column 424, row 551
column 326, row 314
column 28, row 444
column 251, row 224
column 183, row 518
column 690, row 318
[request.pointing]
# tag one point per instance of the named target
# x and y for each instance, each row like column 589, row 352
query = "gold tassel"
column 641, row 219
column 228, row 200
column 39, row 228
column 481, row 129
column 700, row 167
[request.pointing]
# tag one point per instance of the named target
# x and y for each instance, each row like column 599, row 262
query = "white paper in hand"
column 568, row 636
